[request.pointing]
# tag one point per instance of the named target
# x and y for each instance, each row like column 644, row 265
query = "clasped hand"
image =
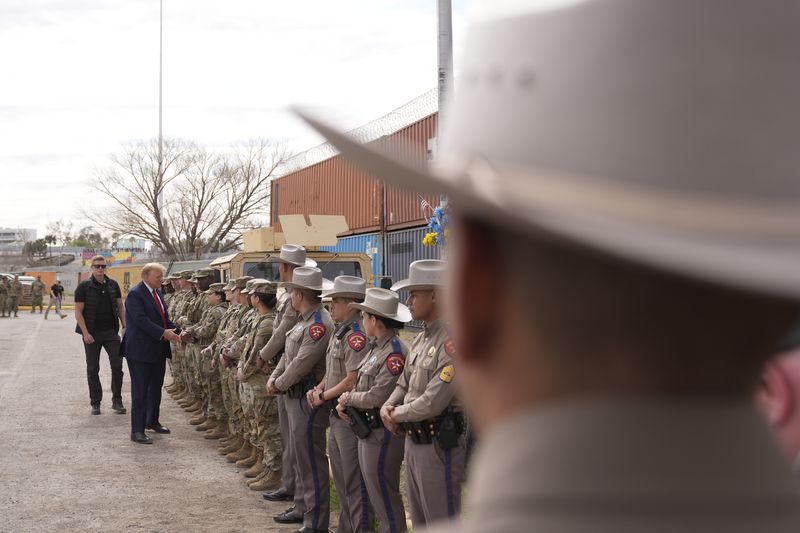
column 170, row 336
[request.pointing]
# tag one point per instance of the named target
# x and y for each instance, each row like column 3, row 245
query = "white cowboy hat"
column 308, row 278
column 661, row 132
column 385, row 303
column 424, row 274
column 347, row 287
column 292, row 254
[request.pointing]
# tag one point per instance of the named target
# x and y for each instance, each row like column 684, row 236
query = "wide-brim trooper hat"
column 385, row 303
column 661, row 132
column 292, row 254
column 424, row 274
column 308, row 278
column 347, row 287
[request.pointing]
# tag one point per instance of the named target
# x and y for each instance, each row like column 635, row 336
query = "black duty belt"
column 445, row 428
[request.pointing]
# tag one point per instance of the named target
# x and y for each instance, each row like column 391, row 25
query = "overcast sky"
column 80, row 79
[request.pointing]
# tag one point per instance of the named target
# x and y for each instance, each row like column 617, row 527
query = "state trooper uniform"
column 429, row 413
column 285, row 319
column 346, row 349
column 379, row 452
column 298, row 371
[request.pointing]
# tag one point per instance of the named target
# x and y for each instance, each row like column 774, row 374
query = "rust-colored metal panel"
column 332, row 187
column 336, row 187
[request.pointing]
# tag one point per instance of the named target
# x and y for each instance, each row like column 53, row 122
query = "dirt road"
column 62, row 469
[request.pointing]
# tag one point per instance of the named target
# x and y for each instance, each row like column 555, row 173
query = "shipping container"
column 335, row 186
column 402, row 248
column 366, row 244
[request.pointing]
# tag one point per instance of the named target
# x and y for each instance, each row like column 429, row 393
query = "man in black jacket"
column 99, row 310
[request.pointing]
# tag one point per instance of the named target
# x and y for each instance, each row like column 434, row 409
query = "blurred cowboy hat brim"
column 737, row 242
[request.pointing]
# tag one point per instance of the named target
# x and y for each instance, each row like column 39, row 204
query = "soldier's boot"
column 257, row 478
column 250, row 460
column 270, row 481
column 241, row 453
column 185, row 401
column 209, row 423
column 196, row 407
column 257, row 467
column 216, row 433
column 232, row 447
column 227, row 440
column 197, row 419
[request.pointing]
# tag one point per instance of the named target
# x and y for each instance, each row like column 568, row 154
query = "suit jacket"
column 144, row 328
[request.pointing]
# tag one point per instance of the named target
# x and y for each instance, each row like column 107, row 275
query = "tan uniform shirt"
column 306, row 344
column 427, row 386
column 285, row 319
column 261, row 332
column 379, row 372
column 346, row 349
column 654, row 466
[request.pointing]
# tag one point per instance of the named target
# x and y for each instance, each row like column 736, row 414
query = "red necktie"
column 160, row 309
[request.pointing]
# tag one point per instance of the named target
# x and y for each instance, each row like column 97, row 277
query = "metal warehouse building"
column 385, row 222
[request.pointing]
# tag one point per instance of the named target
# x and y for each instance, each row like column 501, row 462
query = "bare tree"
column 195, row 201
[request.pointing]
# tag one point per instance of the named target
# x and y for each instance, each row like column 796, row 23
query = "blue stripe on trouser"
column 448, row 476
column 387, row 438
column 365, row 525
column 314, row 473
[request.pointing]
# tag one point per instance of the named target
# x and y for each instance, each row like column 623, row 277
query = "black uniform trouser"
column 108, row 339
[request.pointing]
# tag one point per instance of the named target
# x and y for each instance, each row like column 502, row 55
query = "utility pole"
column 445, row 71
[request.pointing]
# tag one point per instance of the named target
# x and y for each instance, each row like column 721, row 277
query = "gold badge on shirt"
column 448, row 373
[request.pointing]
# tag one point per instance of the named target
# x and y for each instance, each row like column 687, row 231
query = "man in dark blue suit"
column 146, row 348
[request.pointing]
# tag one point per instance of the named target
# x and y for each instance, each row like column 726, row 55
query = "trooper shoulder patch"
column 317, row 331
column 448, row 373
column 357, row 341
column 450, row 348
column 395, row 363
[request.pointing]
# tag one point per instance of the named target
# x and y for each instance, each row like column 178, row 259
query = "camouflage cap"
column 249, row 285
column 264, row 287
column 215, row 287
column 203, row 272
column 186, row 274
column 230, row 285
column 241, row 282
column 173, row 276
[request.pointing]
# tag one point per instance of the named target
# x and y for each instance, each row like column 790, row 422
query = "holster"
column 358, row 422
column 299, row 389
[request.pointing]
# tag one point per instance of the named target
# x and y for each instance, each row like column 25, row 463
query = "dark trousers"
column 109, row 340
column 146, row 382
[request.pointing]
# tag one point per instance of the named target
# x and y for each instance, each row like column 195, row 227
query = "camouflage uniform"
column 204, row 333
column 37, row 293
column 14, row 294
column 218, row 402
column 261, row 408
column 179, row 302
column 236, row 345
column 3, row 296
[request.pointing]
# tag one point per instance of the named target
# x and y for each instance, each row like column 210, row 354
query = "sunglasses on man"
column 99, row 267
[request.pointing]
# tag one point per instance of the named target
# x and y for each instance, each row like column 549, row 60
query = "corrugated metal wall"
column 336, row 187
column 403, row 247
column 368, row 244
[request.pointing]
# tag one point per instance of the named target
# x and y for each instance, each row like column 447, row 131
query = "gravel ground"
column 65, row 470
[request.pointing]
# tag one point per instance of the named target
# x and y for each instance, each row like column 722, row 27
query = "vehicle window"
column 330, row 270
